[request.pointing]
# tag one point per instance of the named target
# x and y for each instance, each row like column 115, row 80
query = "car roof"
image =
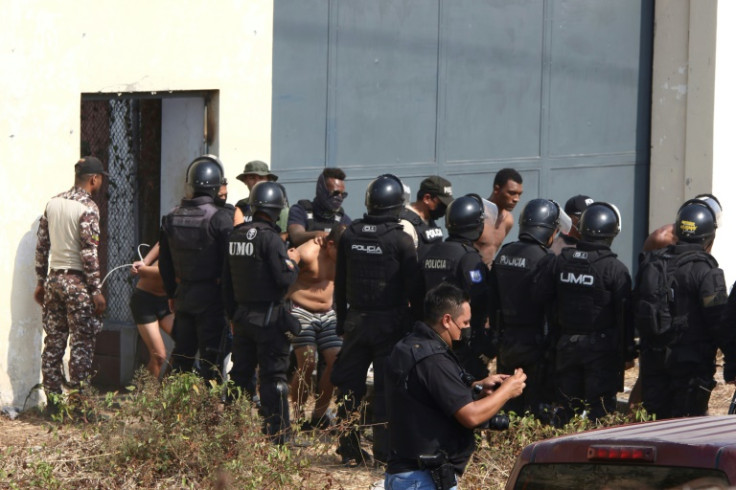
column 695, row 441
column 708, row 430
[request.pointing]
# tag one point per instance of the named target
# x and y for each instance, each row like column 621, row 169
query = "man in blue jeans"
column 431, row 410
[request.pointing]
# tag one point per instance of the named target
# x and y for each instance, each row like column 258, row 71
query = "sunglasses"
column 337, row 193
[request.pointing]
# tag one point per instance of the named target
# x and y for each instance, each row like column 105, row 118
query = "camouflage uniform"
column 68, row 308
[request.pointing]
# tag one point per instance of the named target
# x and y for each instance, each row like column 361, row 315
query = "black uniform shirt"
column 422, row 409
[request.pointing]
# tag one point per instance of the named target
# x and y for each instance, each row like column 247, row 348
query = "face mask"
column 463, row 343
column 327, row 199
column 438, row 213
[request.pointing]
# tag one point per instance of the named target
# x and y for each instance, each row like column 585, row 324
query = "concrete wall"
column 693, row 103
column 51, row 53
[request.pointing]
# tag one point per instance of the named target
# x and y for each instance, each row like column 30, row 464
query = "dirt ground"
column 32, row 432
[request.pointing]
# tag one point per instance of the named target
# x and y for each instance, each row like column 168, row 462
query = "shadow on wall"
column 24, row 340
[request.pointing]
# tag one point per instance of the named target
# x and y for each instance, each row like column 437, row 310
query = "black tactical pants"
column 587, row 374
column 259, row 341
column 201, row 331
column 676, row 383
column 369, row 338
column 527, row 351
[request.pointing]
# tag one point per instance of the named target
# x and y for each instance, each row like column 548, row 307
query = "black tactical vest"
column 514, row 267
column 441, row 262
column 251, row 276
column 192, row 246
column 244, row 207
column 584, row 304
column 428, row 233
column 373, row 280
column 318, row 224
column 411, row 436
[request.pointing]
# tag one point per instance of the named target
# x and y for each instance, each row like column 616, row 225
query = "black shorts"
column 147, row 307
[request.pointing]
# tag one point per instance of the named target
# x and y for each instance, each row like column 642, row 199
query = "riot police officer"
column 193, row 240
column 591, row 289
column 259, row 271
column 456, row 261
column 376, row 267
column 677, row 375
column 525, row 339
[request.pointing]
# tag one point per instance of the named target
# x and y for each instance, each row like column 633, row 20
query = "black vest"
column 428, row 233
column 584, row 304
column 373, row 280
column 252, row 277
column 514, row 268
column 442, row 263
column 416, row 427
column 319, row 223
column 244, row 207
column 192, row 245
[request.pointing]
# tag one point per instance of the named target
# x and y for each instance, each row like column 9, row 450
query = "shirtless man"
column 507, row 189
column 312, row 297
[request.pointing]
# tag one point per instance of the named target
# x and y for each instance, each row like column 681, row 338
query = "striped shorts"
column 317, row 329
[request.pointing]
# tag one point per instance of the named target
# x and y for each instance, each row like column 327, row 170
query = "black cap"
column 577, row 204
column 89, row 165
column 437, row 186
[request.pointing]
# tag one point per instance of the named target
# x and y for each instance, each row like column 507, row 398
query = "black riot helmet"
column 540, row 219
column 464, row 217
column 267, row 197
column 600, row 222
column 385, row 195
column 204, row 176
column 696, row 222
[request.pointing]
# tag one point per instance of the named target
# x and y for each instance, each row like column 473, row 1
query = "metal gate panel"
column 594, row 62
column 300, row 68
column 492, row 79
column 385, row 79
column 558, row 89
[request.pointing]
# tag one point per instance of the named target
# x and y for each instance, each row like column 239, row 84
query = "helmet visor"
column 714, row 207
column 618, row 215
column 490, row 213
column 563, row 222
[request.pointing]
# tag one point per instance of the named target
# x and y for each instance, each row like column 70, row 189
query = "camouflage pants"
column 68, row 310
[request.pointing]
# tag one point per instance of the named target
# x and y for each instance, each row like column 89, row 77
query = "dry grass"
column 192, row 444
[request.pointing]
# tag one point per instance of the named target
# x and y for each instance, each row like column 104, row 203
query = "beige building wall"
column 693, row 102
column 51, row 53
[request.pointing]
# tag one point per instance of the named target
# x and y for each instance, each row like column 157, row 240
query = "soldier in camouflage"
column 68, row 272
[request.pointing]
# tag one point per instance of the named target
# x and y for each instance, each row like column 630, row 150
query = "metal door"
column 558, row 89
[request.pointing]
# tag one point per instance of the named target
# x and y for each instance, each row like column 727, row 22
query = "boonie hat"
column 89, row 165
column 437, row 186
column 257, row 167
column 578, row 204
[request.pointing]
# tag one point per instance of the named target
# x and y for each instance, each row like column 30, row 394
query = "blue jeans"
column 411, row 480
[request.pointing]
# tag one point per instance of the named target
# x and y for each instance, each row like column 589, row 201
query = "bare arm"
column 660, row 238
column 475, row 413
column 299, row 235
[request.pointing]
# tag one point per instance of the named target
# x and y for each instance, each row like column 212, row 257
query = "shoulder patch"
column 476, row 277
